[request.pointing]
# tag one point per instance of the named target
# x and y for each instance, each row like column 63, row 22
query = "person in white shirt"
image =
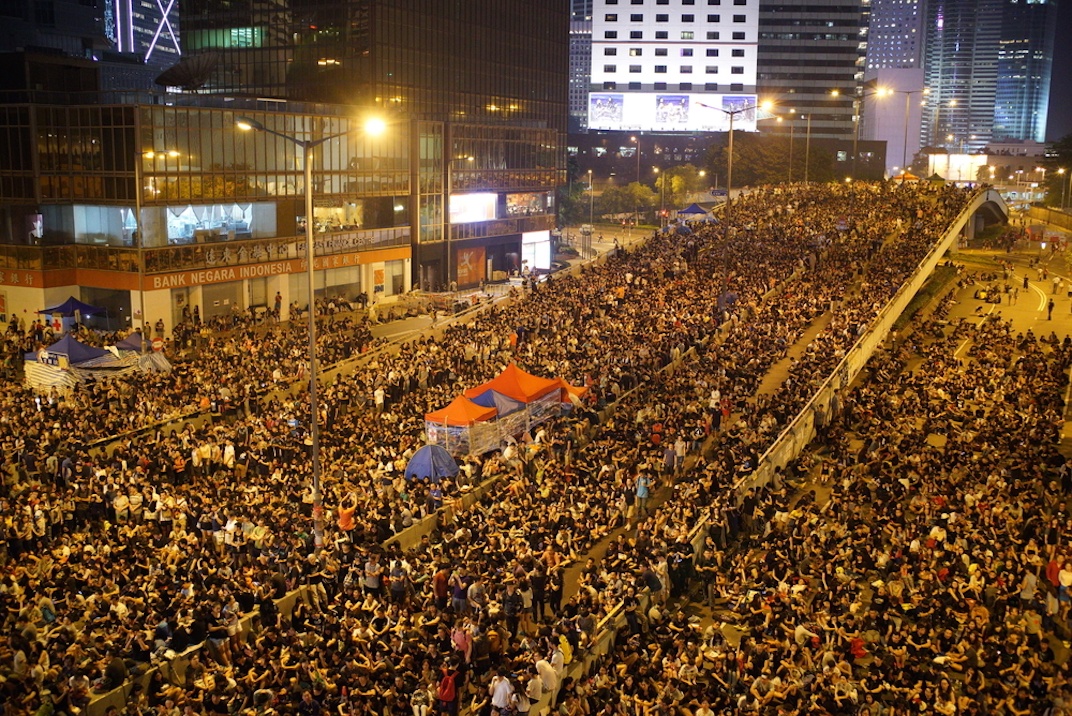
column 548, row 676
column 501, row 691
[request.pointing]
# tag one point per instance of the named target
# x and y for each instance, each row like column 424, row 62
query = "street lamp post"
column 636, row 140
column 807, row 150
column 792, row 129
column 662, row 194
column 372, row 127
column 636, row 208
column 732, row 113
column 591, row 213
column 887, row 92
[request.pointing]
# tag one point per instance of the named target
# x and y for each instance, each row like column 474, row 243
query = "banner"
column 471, row 266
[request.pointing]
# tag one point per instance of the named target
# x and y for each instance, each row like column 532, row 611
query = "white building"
column 673, row 65
column 894, row 62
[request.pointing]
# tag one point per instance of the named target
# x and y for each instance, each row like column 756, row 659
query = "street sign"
column 719, row 192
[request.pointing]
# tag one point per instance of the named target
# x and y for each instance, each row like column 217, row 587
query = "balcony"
column 196, row 256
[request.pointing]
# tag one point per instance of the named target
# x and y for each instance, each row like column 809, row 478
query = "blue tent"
column 72, row 305
column 132, row 342
column 431, row 461
column 77, row 353
column 694, row 210
column 504, row 404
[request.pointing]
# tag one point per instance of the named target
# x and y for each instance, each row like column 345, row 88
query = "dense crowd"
column 932, row 578
column 164, row 541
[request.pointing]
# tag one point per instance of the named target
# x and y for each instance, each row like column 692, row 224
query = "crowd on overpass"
column 923, row 567
column 164, row 541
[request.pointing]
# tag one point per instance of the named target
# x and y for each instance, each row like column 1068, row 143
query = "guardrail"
column 802, row 429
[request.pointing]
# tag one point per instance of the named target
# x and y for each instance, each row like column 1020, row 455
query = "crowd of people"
column 134, row 553
column 922, row 568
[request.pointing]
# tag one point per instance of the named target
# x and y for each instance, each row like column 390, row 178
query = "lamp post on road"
column 662, row 194
column 636, row 140
column 372, row 127
column 889, row 92
column 591, row 213
column 732, row 113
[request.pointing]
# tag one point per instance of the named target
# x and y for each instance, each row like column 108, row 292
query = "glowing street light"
column 372, row 127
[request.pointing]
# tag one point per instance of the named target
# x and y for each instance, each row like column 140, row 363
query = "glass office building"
column 152, row 208
column 448, row 60
column 988, row 65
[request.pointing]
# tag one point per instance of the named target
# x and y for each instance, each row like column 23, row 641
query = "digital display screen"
column 665, row 112
column 467, row 208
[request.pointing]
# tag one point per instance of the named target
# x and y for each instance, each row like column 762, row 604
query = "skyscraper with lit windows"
column 987, row 64
column 673, row 66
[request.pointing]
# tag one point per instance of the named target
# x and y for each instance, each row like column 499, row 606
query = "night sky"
column 1059, row 123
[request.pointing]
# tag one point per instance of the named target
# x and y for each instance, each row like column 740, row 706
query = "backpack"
column 446, row 691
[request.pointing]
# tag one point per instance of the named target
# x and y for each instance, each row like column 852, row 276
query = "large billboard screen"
column 670, row 112
column 469, row 208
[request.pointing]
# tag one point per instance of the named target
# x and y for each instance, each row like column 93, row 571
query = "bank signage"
column 224, row 274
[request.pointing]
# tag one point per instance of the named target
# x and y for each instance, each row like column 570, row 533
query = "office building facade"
column 891, row 106
column 447, row 60
column 153, row 209
column 807, row 50
column 987, row 65
column 580, row 73
column 673, row 65
column 895, row 35
column 1025, row 65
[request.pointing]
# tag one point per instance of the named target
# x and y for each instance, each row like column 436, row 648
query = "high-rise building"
column 1025, row 63
column 987, row 65
column 148, row 29
column 581, row 10
column 131, row 41
column 673, row 66
column 463, row 60
column 895, row 35
column 580, row 73
column 891, row 109
column 807, row 50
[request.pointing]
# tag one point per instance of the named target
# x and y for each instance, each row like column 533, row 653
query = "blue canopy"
column 504, row 404
column 72, row 305
column 130, row 343
column 432, row 461
column 76, row 352
column 695, row 209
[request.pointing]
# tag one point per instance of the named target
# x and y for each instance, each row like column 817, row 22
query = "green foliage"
column 765, row 159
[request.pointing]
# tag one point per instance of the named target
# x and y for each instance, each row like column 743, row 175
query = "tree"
column 1059, row 157
column 764, row 159
column 572, row 197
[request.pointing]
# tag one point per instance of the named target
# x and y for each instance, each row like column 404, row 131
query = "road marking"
column 1042, row 298
column 968, row 340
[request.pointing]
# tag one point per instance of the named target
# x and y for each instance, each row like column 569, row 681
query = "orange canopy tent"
column 461, row 412
column 904, row 176
column 571, row 393
column 517, row 384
